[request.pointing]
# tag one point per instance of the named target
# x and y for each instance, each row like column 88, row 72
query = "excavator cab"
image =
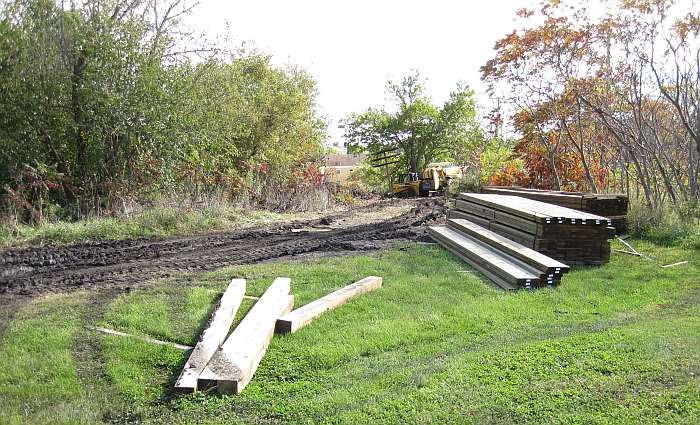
column 437, row 176
column 407, row 186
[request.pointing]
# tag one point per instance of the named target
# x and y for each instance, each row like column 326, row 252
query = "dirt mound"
column 127, row 264
column 429, row 211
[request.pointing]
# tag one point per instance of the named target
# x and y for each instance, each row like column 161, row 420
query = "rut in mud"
column 127, row 264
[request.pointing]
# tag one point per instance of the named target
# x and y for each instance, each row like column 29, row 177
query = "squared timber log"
column 481, row 256
column 295, row 320
column 234, row 364
column 522, row 253
column 212, row 337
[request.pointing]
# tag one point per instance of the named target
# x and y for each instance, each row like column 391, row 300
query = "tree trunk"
column 77, row 111
column 582, row 155
column 639, row 180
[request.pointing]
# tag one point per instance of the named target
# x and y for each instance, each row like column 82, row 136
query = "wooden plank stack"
column 564, row 234
column 506, row 263
column 611, row 205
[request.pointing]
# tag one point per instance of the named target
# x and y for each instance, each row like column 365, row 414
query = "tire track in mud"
column 86, row 351
column 122, row 265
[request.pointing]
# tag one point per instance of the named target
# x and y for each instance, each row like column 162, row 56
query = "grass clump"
column 666, row 225
column 39, row 382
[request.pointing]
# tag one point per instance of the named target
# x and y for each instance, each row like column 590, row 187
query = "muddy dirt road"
column 122, row 265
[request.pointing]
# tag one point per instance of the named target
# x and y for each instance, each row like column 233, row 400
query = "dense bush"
column 368, row 179
column 666, row 224
column 100, row 103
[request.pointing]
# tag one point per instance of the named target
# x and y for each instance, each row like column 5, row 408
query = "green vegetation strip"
column 619, row 343
column 153, row 222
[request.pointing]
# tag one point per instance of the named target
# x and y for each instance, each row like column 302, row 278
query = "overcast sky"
column 352, row 47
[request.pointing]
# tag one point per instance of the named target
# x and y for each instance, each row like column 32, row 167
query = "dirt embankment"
column 127, row 264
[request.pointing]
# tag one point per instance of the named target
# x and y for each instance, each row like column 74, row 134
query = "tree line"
column 107, row 99
column 606, row 97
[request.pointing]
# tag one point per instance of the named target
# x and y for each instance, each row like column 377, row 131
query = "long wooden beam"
column 497, row 280
column 509, row 269
column 212, row 337
column 297, row 319
column 522, row 253
column 571, row 200
column 452, row 213
column 476, row 209
column 531, row 209
column 142, row 338
column 234, row 363
column 505, row 203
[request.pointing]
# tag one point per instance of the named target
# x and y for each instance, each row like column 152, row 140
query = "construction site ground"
column 116, row 266
column 437, row 343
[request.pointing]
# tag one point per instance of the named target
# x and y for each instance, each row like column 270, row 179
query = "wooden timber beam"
column 234, row 363
column 295, row 320
column 507, row 268
column 495, row 279
column 212, row 337
column 522, row 253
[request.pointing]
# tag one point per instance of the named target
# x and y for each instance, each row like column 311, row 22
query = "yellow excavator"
column 433, row 180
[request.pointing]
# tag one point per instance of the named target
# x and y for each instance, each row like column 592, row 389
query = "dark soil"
column 122, row 265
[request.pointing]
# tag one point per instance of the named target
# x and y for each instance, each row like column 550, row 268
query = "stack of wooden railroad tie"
column 564, row 234
column 228, row 362
column 507, row 263
column 610, row 205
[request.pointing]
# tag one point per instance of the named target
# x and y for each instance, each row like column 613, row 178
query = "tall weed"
column 665, row 225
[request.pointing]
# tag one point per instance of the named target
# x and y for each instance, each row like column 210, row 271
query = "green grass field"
column 614, row 344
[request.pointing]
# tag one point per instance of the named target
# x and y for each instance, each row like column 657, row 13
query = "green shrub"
column 666, row 225
column 471, row 181
column 367, row 179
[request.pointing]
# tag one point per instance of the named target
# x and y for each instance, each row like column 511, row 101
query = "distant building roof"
column 344, row 160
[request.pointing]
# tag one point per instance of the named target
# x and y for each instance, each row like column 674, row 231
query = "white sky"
column 352, row 47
